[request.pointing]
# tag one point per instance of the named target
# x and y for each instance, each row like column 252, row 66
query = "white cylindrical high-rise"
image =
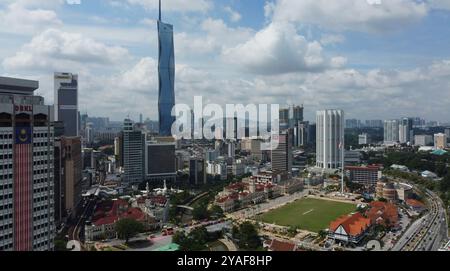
column 330, row 139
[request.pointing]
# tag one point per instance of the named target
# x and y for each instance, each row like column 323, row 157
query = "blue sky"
column 374, row 61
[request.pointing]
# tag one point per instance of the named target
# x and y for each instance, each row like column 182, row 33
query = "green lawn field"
column 308, row 214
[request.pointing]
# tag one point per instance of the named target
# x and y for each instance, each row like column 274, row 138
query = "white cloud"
column 234, row 15
column 331, row 39
column 215, row 37
column 21, row 18
column 440, row 4
column 54, row 50
column 278, row 49
column 353, row 15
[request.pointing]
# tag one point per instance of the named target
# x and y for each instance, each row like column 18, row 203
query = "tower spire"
column 159, row 10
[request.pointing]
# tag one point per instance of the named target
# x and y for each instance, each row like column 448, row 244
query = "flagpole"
column 343, row 160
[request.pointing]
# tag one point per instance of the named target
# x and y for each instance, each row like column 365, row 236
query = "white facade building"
column 391, row 132
column 330, row 138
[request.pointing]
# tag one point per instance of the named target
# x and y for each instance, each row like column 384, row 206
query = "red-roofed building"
column 416, row 205
column 284, row 246
column 106, row 216
column 349, row 228
column 381, row 213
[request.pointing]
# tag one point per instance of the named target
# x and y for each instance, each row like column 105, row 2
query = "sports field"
column 308, row 214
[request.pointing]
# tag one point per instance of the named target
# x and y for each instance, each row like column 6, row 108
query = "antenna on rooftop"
column 159, row 10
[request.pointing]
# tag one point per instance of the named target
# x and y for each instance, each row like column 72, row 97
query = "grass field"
column 308, row 214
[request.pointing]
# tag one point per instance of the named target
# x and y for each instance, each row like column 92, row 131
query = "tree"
column 323, row 234
column 180, row 238
column 128, row 228
column 248, row 236
column 200, row 212
column 199, row 235
column 216, row 211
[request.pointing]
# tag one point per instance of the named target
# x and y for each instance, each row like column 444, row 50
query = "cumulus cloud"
column 215, row 37
column 22, row 17
column 54, row 49
column 279, row 49
column 353, row 15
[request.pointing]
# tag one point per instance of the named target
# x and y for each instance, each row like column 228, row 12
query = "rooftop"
column 110, row 212
column 354, row 224
column 17, row 86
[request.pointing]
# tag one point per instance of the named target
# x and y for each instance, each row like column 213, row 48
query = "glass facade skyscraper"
column 166, row 71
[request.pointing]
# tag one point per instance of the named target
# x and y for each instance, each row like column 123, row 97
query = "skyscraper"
column 406, row 131
column 66, row 102
column 391, row 131
column 68, row 177
column 133, row 153
column 26, row 168
column 166, row 71
column 284, row 118
column 330, row 138
column 160, row 161
column 282, row 156
column 298, row 114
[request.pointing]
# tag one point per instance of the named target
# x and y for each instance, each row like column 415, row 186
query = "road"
column 427, row 233
column 76, row 232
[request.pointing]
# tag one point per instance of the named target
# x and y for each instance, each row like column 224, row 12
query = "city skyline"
column 230, row 52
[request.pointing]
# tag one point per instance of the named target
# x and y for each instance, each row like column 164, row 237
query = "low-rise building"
column 365, row 175
column 429, row 175
column 423, row 140
column 107, row 214
column 275, row 245
column 154, row 206
column 254, row 190
column 381, row 213
column 349, row 228
column 393, row 191
column 416, row 205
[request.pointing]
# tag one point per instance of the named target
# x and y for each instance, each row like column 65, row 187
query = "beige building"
column 72, row 171
column 440, row 141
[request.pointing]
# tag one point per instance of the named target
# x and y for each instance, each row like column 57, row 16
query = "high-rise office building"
column 374, row 123
column 406, row 131
column 298, row 112
column 391, row 131
column 330, row 138
column 284, row 118
column 26, row 168
column 166, row 72
column 197, row 171
column 312, row 136
column 66, row 102
column 68, row 177
column 300, row 137
column 353, row 124
column 363, row 139
column 440, row 141
column 282, row 156
column 447, row 132
column 423, row 140
column 160, row 161
column 231, row 149
column 133, row 153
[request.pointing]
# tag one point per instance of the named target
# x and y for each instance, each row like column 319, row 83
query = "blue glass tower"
column 166, row 71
